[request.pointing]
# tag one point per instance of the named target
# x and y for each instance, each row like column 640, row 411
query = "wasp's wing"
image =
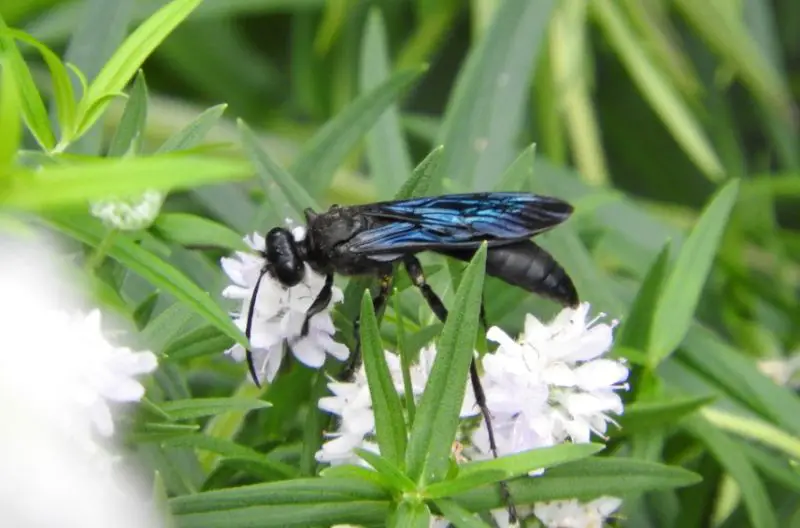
column 456, row 220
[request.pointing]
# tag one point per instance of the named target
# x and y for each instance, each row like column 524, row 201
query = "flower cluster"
column 552, row 385
column 129, row 214
column 279, row 312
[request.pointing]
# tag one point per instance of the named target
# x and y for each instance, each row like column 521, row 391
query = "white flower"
column 129, row 214
column 782, row 371
column 102, row 374
column 552, row 384
column 574, row 514
column 279, row 313
column 58, row 375
column 352, row 402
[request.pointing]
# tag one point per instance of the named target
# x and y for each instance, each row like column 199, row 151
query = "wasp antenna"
column 249, row 327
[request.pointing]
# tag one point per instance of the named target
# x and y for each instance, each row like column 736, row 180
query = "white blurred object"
column 55, row 372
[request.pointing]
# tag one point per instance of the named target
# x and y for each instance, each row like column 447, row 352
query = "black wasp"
column 368, row 239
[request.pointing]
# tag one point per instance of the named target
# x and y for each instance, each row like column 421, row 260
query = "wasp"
column 370, row 239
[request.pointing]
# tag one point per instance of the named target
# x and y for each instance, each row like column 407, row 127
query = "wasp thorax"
column 284, row 257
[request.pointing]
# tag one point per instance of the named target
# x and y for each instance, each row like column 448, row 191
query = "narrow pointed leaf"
column 10, row 117
column 387, row 152
column 432, row 435
column 464, row 483
column 484, row 114
column 533, row 459
column 191, row 230
column 656, row 87
column 62, row 185
column 62, row 85
column 33, row 110
column 200, row 407
column 389, row 472
column 128, row 135
column 642, row 416
column 324, row 152
column 756, row 499
column 128, row 58
column 684, row 285
column 419, row 182
column 272, row 173
column 458, row 516
column 636, row 326
column 519, row 175
column 303, row 491
column 390, row 424
column 195, row 132
column 584, row 480
column 410, row 515
column 151, row 268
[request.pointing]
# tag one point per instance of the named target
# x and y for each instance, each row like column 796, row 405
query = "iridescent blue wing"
column 455, row 220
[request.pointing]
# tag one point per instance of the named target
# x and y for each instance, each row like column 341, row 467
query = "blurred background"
column 639, row 111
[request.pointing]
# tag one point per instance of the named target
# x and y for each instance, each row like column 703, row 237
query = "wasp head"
column 284, row 259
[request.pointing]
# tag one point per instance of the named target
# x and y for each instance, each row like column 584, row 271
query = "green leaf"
column 61, row 185
column 390, row 424
column 410, row 515
column 303, row 491
column 190, row 230
column 636, row 326
column 62, row 85
column 724, row 449
column 658, row 90
column 419, row 182
column 522, row 463
column 738, row 375
column 463, row 483
column 389, row 472
column 203, row 341
column 355, row 472
column 151, row 268
column 324, row 152
column 683, row 287
column 130, row 130
column 317, row 513
column 271, row 173
column 200, row 407
column 130, row 56
column 458, row 516
column 754, row 429
column 387, row 151
column 195, row 132
column 584, row 480
column 10, row 117
column 483, row 116
column 33, row 110
column 230, row 449
column 428, row 454
column 160, row 331
column 642, row 416
column 519, row 175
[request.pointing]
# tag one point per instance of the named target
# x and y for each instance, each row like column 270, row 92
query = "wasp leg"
column 378, row 301
column 319, row 304
column 417, row 275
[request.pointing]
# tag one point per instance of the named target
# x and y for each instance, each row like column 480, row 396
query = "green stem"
column 405, row 361
column 99, row 254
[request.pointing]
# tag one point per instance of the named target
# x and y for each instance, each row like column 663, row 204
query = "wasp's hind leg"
column 417, row 275
column 378, row 302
